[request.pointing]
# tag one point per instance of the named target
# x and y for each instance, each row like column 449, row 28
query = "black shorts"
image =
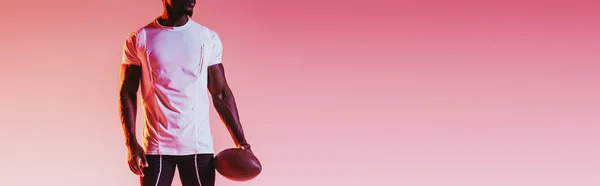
column 194, row 170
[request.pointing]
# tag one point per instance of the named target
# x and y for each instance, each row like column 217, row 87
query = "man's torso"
column 173, row 88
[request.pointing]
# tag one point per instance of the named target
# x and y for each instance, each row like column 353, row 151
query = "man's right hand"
column 137, row 159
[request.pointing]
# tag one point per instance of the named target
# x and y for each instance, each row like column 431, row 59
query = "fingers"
column 134, row 167
column 144, row 161
column 140, row 165
column 137, row 167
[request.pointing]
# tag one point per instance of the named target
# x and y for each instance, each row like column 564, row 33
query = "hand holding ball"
column 237, row 164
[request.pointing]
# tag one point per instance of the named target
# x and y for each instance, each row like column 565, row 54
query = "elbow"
column 217, row 94
column 220, row 93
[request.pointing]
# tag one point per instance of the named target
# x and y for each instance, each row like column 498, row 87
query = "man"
column 174, row 59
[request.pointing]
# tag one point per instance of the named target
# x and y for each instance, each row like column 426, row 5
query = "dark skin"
column 224, row 103
column 176, row 13
column 130, row 81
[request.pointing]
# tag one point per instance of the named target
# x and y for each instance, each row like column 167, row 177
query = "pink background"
column 331, row 93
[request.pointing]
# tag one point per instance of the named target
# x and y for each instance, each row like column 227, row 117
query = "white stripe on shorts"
column 196, row 165
column 159, row 170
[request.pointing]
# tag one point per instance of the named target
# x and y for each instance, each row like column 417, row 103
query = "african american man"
column 174, row 60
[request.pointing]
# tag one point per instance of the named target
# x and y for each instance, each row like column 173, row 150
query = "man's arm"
column 224, row 103
column 130, row 79
column 131, row 73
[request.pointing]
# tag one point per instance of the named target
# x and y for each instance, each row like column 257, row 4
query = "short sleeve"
column 130, row 49
column 216, row 49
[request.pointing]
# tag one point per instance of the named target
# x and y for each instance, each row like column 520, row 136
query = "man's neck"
column 173, row 20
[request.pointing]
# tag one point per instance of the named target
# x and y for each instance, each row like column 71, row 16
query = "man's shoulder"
column 140, row 30
column 148, row 26
column 203, row 28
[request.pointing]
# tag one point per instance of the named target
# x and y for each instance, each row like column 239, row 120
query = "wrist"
column 131, row 142
column 243, row 143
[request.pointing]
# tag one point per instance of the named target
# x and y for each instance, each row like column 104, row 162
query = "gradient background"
column 331, row 93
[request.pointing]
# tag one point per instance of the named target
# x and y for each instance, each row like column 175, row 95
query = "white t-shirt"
column 174, row 62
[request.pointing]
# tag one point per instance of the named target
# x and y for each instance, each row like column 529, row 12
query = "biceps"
column 130, row 78
column 216, row 79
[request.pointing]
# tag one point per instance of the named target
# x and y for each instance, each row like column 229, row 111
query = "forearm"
column 225, row 105
column 128, row 110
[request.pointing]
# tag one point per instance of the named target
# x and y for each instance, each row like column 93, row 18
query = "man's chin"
column 189, row 13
